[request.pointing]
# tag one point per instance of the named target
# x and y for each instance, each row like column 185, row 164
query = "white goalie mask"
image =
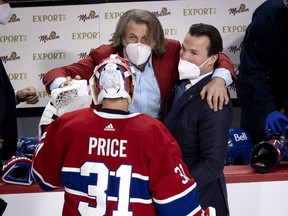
column 114, row 77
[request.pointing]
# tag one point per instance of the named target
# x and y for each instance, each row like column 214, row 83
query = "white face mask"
column 188, row 70
column 5, row 13
column 138, row 53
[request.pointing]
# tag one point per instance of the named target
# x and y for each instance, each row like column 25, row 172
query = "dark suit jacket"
column 203, row 137
column 8, row 121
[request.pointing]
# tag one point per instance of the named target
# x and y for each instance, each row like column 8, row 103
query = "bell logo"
column 240, row 137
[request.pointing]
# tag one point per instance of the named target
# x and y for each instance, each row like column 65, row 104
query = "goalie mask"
column 114, row 77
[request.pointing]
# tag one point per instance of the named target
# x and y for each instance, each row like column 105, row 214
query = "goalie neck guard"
column 114, row 77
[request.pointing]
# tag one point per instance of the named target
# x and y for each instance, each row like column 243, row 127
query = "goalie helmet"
column 114, row 77
column 239, row 147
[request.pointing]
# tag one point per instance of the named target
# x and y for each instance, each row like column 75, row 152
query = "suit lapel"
column 191, row 94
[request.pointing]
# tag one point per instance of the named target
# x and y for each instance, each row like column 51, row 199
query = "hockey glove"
column 266, row 156
column 17, row 170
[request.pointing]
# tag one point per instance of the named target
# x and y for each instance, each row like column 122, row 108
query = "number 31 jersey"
column 115, row 164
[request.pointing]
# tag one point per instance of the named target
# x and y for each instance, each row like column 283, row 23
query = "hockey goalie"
column 111, row 161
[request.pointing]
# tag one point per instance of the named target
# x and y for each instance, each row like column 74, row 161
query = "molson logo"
column 41, row 75
column 49, row 56
column 83, row 55
column 164, row 12
column 198, row 11
column 45, row 38
column 85, row 35
column 12, row 38
column 113, row 15
column 12, row 57
column 49, row 18
column 235, row 48
column 92, row 15
column 14, row 19
column 242, row 8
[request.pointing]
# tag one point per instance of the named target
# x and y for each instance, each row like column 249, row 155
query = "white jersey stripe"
column 194, row 211
column 132, row 200
column 71, row 169
column 139, row 176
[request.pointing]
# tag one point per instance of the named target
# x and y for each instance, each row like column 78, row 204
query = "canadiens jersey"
column 114, row 164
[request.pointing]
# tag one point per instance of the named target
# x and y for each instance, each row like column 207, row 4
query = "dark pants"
column 252, row 118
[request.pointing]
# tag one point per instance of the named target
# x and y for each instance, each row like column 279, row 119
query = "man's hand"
column 68, row 81
column 217, row 95
column 28, row 94
column 275, row 122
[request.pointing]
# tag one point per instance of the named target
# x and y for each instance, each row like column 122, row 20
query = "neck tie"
column 180, row 89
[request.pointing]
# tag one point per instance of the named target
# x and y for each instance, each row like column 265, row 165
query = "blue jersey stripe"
column 176, row 206
column 139, row 188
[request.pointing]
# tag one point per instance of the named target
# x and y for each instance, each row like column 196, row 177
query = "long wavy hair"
column 156, row 32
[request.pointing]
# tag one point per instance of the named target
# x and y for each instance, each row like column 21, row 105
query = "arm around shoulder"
column 83, row 68
column 226, row 63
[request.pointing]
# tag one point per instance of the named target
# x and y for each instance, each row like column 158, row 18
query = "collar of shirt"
column 147, row 98
column 194, row 81
column 114, row 111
